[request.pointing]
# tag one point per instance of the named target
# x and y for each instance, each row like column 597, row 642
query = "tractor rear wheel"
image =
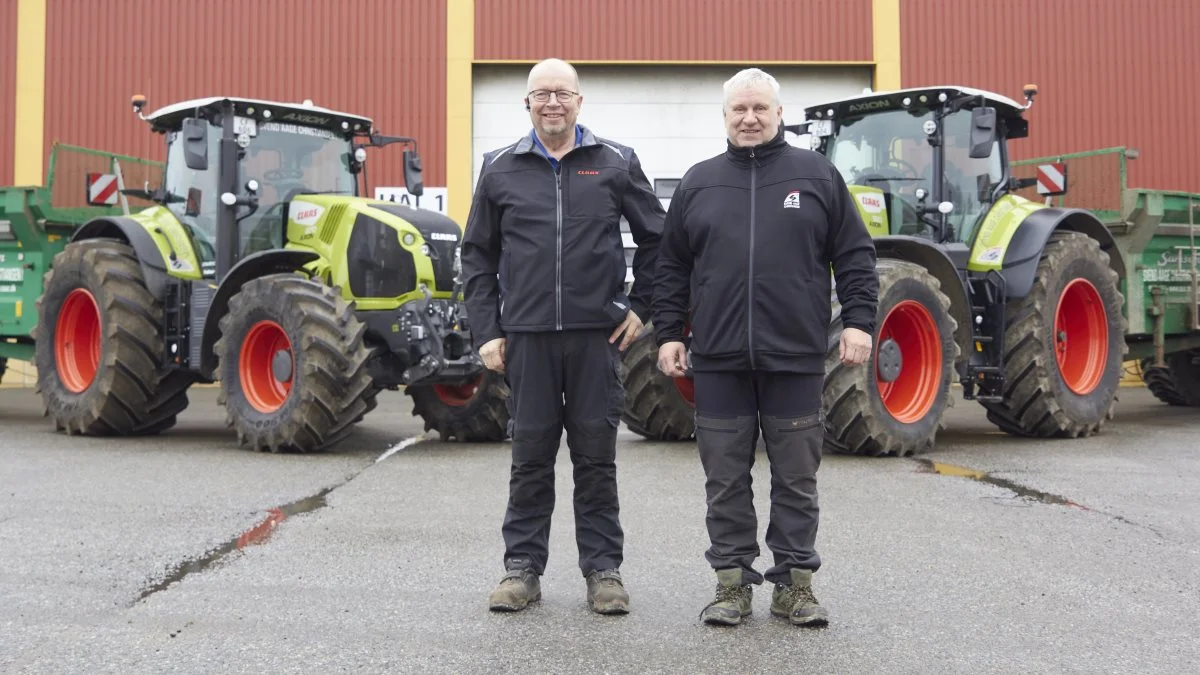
column 3, row 368
column 1160, row 383
column 895, row 403
column 475, row 411
column 1064, row 345
column 292, row 365
column 99, row 358
column 657, row 407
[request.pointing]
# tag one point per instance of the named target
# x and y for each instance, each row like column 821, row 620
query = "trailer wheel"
column 475, row 411
column 657, row 407
column 1185, row 375
column 895, row 403
column 1064, row 344
column 1160, row 383
column 99, row 352
column 292, row 365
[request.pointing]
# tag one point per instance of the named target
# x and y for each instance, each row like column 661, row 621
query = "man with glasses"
column 544, row 271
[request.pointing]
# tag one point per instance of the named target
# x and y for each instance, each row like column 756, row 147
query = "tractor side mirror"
column 195, row 144
column 983, row 132
column 413, row 181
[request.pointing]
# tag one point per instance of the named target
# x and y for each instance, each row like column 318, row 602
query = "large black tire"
column 304, row 403
column 473, row 412
column 657, row 407
column 1184, row 371
column 1160, row 383
column 3, row 368
column 865, row 413
column 1038, row 399
column 98, row 314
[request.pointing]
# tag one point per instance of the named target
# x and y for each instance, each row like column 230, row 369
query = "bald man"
column 544, row 270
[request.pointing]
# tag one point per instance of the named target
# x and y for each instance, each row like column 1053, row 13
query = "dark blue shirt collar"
column 537, row 143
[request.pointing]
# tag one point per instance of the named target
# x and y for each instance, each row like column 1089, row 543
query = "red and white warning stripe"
column 1051, row 178
column 102, row 189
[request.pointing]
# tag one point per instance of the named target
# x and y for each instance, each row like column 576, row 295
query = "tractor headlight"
column 408, row 239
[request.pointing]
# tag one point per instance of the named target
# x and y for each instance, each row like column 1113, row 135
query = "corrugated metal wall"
column 380, row 58
column 8, row 86
column 1109, row 73
column 674, row 30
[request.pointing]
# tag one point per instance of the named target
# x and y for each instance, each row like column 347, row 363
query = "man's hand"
column 672, row 359
column 492, row 353
column 856, row 346
column 631, row 327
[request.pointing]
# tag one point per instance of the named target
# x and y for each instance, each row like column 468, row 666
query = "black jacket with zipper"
column 542, row 250
column 745, row 258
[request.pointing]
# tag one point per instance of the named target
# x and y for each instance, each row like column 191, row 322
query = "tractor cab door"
column 191, row 183
column 968, row 182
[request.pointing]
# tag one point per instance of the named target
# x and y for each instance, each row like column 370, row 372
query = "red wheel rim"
column 458, row 395
column 1081, row 336
column 77, row 341
column 912, row 394
column 265, row 392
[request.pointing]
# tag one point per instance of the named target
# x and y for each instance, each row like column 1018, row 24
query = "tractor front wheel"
column 895, row 403
column 657, row 407
column 99, row 351
column 1064, row 345
column 473, row 411
column 292, row 364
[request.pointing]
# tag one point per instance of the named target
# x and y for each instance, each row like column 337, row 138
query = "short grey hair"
column 748, row 78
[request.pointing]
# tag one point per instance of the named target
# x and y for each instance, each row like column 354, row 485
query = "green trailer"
column 37, row 221
column 1158, row 233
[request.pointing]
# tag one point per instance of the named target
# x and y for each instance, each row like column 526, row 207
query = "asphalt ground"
column 184, row 553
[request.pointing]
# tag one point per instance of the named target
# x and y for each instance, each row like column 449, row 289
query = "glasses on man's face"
column 543, row 95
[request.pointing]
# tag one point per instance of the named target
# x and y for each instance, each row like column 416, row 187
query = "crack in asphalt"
column 1023, row 491
column 261, row 532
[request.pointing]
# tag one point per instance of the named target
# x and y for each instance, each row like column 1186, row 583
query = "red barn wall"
column 674, row 30
column 1109, row 73
column 379, row 58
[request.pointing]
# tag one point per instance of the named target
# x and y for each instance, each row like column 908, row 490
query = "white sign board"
column 433, row 199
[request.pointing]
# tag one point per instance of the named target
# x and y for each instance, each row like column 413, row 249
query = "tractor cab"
column 936, row 155
column 235, row 165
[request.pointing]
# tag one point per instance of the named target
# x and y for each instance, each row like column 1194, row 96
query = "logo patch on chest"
column 792, row 201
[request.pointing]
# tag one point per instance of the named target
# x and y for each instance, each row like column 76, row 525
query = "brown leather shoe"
column 515, row 591
column 606, row 593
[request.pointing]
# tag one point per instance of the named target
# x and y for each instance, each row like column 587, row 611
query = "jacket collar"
column 763, row 152
column 583, row 134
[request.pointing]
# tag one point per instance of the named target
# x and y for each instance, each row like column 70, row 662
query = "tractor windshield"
column 890, row 151
column 289, row 160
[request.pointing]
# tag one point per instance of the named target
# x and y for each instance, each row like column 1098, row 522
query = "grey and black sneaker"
column 606, row 592
column 515, row 591
column 733, row 600
column 797, row 602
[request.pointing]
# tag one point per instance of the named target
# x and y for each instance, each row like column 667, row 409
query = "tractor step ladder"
column 986, row 316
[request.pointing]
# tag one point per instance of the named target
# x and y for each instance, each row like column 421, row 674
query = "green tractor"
column 261, row 268
column 1020, row 302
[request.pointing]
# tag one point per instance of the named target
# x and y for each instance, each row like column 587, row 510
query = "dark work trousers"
column 731, row 409
column 563, row 380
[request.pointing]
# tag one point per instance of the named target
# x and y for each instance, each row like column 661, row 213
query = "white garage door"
column 671, row 115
